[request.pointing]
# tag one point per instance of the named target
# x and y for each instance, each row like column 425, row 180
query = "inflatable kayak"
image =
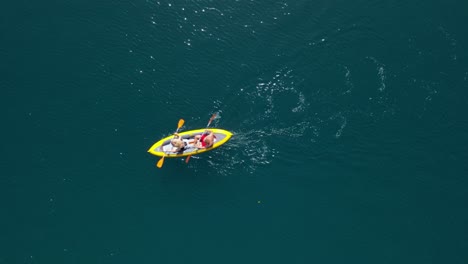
column 162, row 147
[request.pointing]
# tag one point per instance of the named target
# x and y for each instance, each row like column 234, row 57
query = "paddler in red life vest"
column 205, row 140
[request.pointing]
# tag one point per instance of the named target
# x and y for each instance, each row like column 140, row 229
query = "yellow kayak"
column 162, row 147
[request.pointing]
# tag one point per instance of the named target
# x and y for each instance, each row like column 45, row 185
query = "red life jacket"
column 202, row 139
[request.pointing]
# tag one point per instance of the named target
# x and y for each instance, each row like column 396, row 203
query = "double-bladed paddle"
column 161, row 161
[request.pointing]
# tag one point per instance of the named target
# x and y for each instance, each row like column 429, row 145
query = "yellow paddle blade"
column 160, row 162
column 180, row 124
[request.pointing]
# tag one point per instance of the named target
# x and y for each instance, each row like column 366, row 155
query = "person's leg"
column 195, row 141
column 209, row 140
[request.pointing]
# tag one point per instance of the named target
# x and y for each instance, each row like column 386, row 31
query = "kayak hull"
column 161, row 147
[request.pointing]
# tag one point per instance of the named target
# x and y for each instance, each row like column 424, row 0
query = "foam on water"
column 270, row 92
column 246, row 152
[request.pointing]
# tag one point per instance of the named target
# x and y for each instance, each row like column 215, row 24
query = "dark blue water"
column 349, row 122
